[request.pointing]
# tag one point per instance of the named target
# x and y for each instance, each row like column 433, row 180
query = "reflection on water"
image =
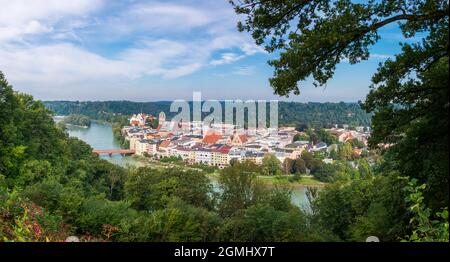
column 299, row 198
column 100, row 136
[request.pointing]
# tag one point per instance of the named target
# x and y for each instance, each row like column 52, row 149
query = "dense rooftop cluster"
column 220, row 144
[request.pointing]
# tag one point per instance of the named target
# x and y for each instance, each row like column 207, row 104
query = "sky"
column 153, row 51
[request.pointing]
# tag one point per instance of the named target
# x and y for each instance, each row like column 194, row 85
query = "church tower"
column 162, row 118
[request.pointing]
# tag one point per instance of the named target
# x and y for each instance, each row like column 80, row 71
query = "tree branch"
column 437, row 15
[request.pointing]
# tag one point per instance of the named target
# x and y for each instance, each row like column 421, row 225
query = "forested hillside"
column 290, row 113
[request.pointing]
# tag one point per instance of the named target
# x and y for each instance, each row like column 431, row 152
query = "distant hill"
column 290, row 113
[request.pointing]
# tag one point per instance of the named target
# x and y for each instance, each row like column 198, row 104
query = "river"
column 100, row 136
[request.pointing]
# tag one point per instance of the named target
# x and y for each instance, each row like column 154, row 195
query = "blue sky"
column 150, row 51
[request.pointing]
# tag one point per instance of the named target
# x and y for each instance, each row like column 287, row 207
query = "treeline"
column 78, row 120
column 316, row 115
column 312, row 115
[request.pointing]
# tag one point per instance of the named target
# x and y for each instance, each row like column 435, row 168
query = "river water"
column 100, row 136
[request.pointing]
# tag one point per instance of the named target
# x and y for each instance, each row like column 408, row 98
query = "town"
column 219, row 145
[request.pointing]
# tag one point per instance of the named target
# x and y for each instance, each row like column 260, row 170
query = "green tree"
column 307, row 156
column 264, row 223
column 299, row 166
column 313, row 137
column 357, row 143
column 409, row 95
column 287, row 166
column 300, row 137
column 323, row 33
column 364, row 169
column 10, row 153
column 311, row 162
column 96, row 213
column 324, row 172
column 183, row 222
column 115, row 180
column 326, row 137
column 360, row 208
column 27, row 131
column 239, row 188
column 345, row 151
column 425, row 228
column 271, row 166
column 154, row 123
column 333, row 154
column 151, row 189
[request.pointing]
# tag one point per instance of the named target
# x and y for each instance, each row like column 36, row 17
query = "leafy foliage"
column 363, row 207
column 409, row 94
column 151, row 189
column 271, row 166
column 425, row 228
column 323, row 33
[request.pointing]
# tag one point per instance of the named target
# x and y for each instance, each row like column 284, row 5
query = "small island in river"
column 77, row 120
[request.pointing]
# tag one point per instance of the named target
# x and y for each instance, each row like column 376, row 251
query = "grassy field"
column 269, row 180
column 303, row 181
column 284, row 179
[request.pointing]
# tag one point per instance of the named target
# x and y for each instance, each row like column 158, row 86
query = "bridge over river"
column 114, row 151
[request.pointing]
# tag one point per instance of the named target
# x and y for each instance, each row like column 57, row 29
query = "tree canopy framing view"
column 390, row 182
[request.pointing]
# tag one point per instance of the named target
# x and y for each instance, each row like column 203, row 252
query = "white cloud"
column 183, row 70
column 21, row 17
column 35, row 27
column 227, row 58
column 63, row 65
column 20, row 11
column 60, row 64
column 157, row 18
column 166, row 58
column 251, row 48
column 162, row 40
column 162, row 15
column 244, row 70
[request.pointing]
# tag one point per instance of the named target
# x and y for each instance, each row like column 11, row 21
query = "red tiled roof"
column 223, row 149
column 197, row 146
column 243, row 138
column 164, row 143
column 211, row 138
column 348, row 136
column 182, row 148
